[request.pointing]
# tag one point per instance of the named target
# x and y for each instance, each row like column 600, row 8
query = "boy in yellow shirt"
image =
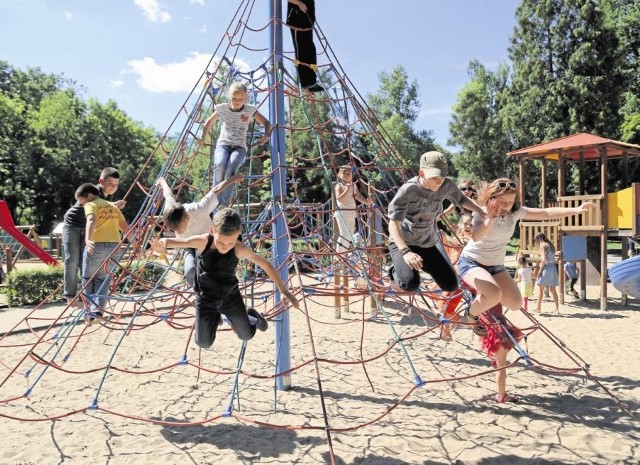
column 105, row 221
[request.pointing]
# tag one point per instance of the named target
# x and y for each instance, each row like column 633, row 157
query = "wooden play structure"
column 617, row 214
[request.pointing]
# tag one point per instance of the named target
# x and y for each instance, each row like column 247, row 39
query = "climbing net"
column 358, row 348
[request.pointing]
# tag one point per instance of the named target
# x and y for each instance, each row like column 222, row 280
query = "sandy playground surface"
column 354, row 397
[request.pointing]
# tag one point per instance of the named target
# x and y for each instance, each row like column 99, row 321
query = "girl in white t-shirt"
column 231, row 146
column 524, row 279
column 481, row 265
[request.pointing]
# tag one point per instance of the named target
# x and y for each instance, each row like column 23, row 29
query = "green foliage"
column 396, row 105
column 30, row 287
column 566, row 72
column 477, row 127
column 142, row 276
column 51, row 141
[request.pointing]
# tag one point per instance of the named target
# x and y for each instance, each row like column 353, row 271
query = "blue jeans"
column 190, row 266
column 97, row 289
column 227, row 160
column 73, row 243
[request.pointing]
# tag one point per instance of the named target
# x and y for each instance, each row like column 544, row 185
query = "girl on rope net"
column 481, row 264
column 231, row 146
column 346, row 193
column 216, row 284
column 413, row 214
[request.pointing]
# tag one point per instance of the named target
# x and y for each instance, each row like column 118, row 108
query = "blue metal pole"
column 279, row 191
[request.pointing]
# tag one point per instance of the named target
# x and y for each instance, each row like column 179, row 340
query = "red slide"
column 6, row 223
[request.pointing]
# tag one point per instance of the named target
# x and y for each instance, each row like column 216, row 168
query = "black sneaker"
column 315, row 88
column 261, row 323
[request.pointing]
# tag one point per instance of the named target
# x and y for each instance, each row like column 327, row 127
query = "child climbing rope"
column 231, row 146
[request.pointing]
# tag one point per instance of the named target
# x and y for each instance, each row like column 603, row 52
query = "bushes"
column 31, row 287
column 142, row 276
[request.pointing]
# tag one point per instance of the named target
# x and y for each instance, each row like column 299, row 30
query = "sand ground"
column 355, row 396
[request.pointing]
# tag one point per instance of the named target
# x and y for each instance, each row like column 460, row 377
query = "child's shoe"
column 261, row 323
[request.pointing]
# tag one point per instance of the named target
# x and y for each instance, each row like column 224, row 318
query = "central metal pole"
column 280, row 246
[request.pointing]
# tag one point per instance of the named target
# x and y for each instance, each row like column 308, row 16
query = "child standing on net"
column 231, row 147
column 571, row 270
column 216, row 284
column 347, row 193
column 524, row 279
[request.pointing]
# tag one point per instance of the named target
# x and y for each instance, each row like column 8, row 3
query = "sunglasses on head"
column 465, row 189
column 505, row 184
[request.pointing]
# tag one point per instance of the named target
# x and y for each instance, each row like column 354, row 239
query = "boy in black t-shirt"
column 216, row 285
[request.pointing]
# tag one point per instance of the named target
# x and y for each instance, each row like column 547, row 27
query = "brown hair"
column 541, row 237
column 493, row 189
column 227, row 222
column 174, row 215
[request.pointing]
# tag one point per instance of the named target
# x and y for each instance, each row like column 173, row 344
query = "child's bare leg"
column 539, row 301
column 501, row 375
column 554, row 294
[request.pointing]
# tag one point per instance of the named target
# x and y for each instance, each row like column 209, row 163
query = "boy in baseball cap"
column 413, row 215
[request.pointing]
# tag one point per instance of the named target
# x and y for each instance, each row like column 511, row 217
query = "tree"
column 476, row 125
column 396, row 107
column 566, row 75
column 566, row 72
column 51, row 141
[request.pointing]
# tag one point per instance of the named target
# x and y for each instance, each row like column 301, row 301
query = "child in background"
column 231, row 147
column 73, row 232
column 524, row 279
column 105, row 221
column 571, row 270
column 548, row 275
column 346, row 194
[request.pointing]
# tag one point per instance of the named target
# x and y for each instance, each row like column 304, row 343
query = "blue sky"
column 148, row 54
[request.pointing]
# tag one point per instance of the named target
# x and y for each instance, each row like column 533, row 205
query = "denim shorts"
column 465, row 264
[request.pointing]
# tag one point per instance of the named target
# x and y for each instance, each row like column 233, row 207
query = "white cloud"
column 116, row 83
column 196, row 2
column 153, row 11
column 174, row 77
column 68, row 16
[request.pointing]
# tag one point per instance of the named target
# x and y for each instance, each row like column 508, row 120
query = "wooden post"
column 562, row 188
column 603, row 234
column 521, row 170
column 543, row 187
column 583, row 263
column 337, row 300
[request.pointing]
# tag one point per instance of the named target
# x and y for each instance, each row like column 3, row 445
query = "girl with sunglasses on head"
column 481, row 263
